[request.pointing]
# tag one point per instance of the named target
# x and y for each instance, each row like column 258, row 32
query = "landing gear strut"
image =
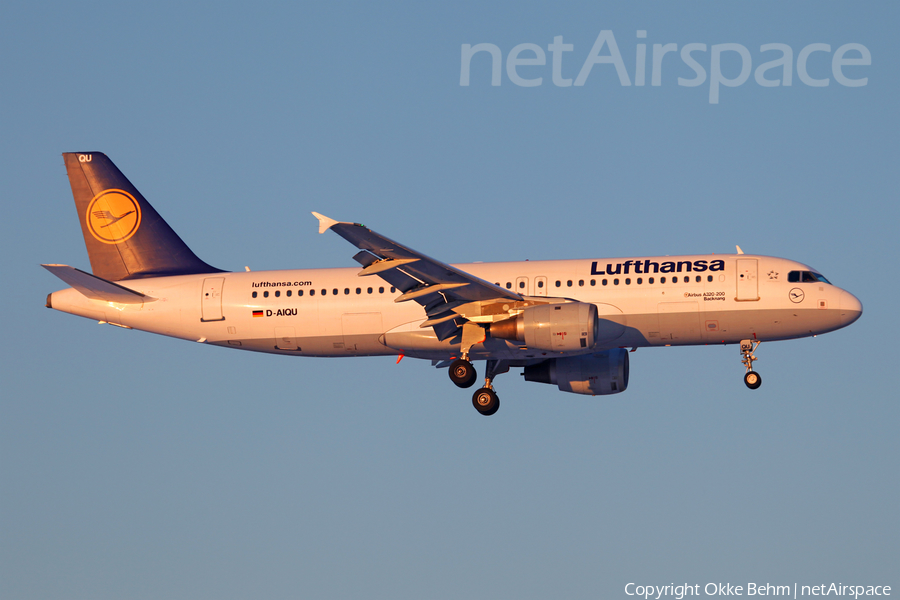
column 486, row 400
column 752, row 379
column 462, row 372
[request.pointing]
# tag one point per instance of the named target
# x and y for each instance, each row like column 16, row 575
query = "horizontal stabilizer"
column 96, row 288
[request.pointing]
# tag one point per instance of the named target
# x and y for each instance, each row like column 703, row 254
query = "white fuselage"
column 658, row 301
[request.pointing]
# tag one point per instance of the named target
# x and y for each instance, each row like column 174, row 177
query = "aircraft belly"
column 320, row 346
column 677, row 325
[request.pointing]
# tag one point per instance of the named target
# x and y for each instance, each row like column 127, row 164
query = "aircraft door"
column 522, row 285
column 540, row 286
column 211, row 299
column 747, row 288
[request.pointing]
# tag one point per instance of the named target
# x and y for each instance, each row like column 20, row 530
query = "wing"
column 440, row 288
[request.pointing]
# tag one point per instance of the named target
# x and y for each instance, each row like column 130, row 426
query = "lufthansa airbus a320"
column 564, row 322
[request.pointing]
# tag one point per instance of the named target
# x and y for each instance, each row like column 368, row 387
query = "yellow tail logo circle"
column 113, row 216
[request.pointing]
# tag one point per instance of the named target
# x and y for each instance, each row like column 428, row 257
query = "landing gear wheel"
column 753, row 380
column 486, row 401
column 462, row 373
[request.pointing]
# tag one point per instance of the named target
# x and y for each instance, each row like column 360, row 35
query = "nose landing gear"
column 752, row 379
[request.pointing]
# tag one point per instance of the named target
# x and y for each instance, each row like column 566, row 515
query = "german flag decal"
column 258, row 313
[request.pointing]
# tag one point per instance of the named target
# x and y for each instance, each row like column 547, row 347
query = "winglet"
column 324, row 222
column 739, row 249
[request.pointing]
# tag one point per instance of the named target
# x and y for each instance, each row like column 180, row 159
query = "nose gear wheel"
column 752, row 379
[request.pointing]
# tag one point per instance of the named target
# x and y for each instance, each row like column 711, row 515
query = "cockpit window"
column 806, row 277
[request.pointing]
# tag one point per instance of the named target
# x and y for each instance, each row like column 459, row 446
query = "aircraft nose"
column 851, row 308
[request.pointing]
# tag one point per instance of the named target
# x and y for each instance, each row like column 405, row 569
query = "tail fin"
column 125, row 237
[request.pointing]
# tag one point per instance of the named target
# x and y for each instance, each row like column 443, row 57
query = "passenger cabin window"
column 254, row 294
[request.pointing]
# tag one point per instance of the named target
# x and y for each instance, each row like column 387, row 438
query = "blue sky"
column 138, row 466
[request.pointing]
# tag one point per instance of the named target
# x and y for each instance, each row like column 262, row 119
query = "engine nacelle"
column 594, row 374
column 556, row 327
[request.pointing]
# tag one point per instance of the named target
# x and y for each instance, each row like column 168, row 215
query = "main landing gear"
column 463, row 374
column 752, row 379
column 486, row 401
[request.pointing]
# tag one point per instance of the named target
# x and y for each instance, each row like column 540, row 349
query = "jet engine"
column 556, row 327
column 594, row 374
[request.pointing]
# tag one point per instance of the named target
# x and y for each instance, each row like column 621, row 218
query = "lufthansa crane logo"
column 113, row 216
